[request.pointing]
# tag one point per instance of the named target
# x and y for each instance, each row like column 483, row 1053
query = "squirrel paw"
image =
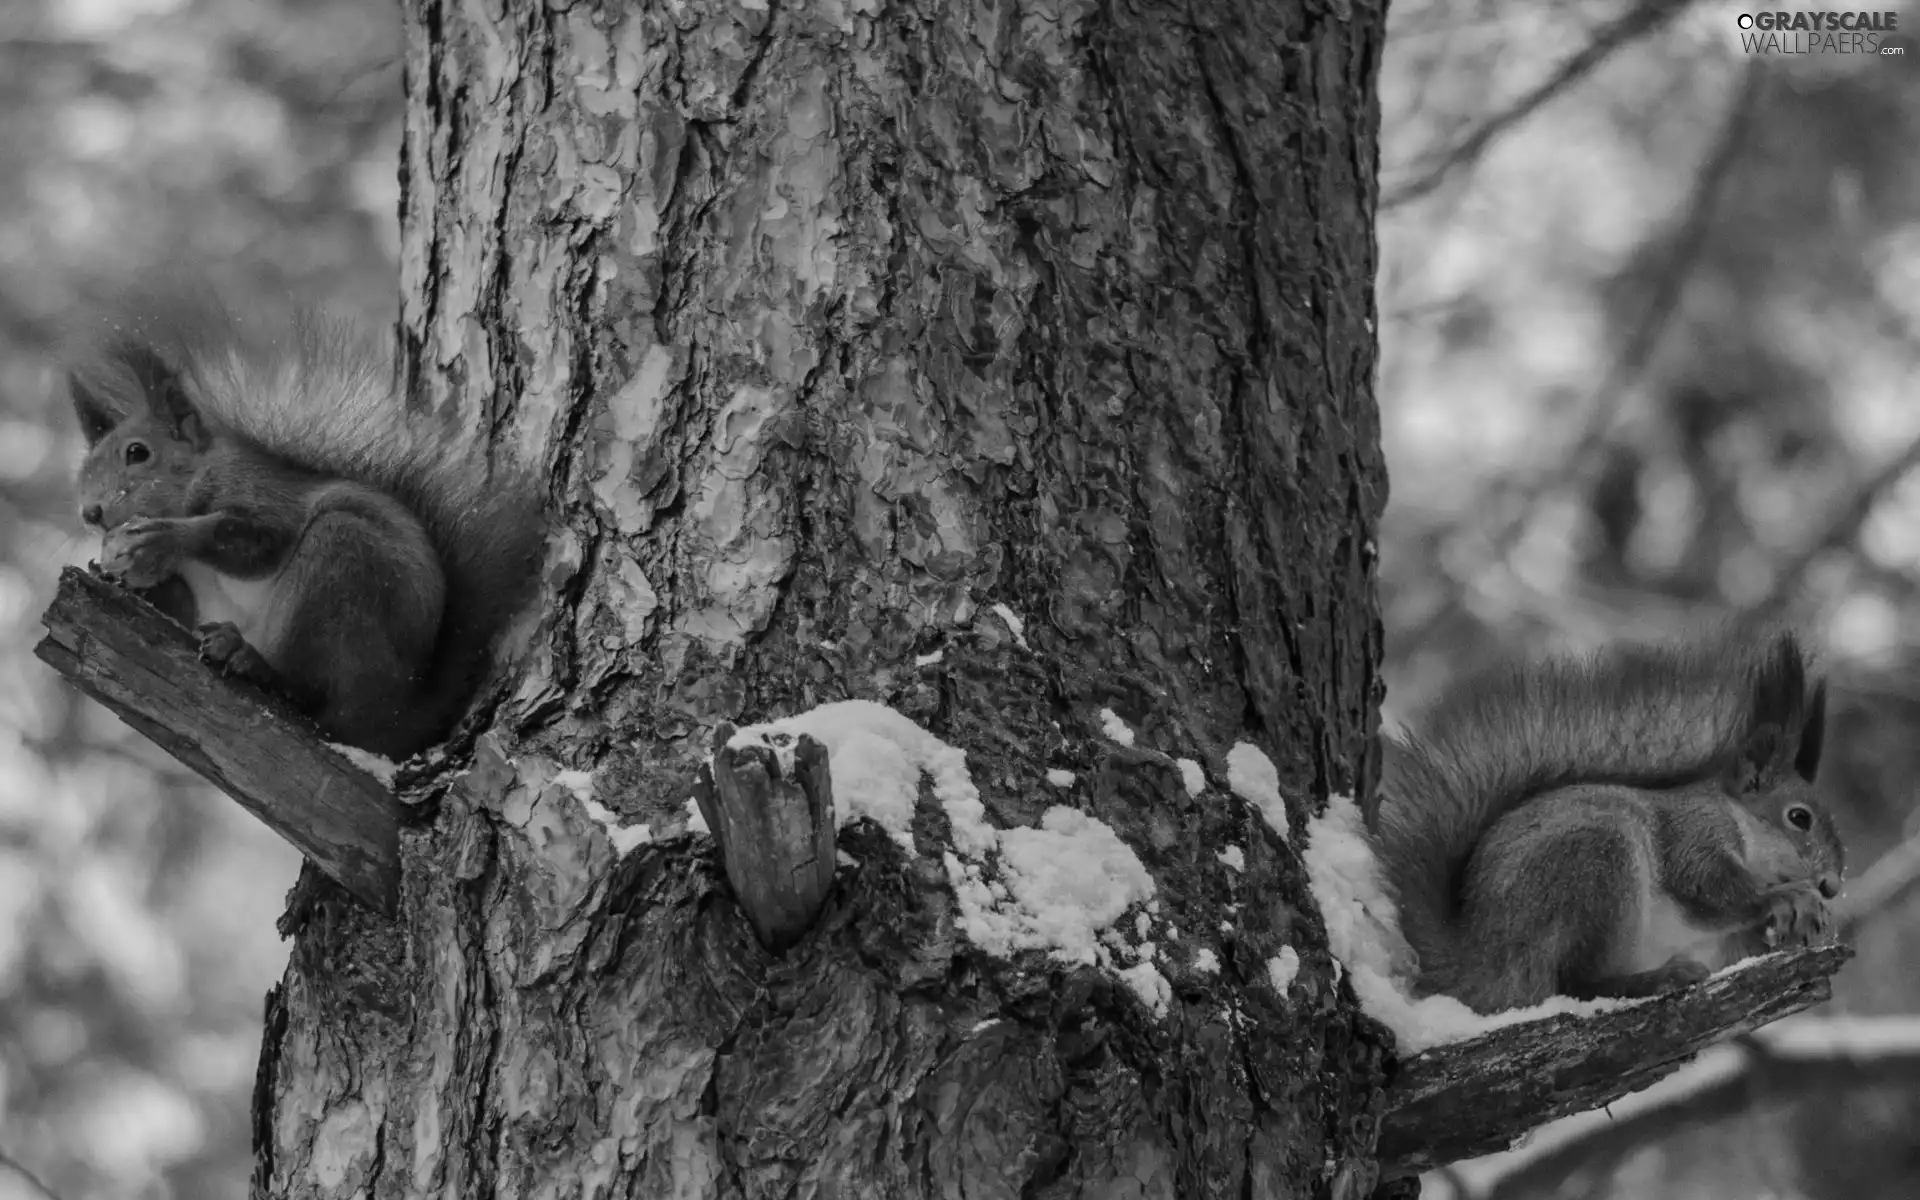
column 222, row 646
column 1797, row 915
column 141, row 554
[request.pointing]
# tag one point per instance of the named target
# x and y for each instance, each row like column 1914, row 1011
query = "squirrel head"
column 1771, row 776
column 143, row 450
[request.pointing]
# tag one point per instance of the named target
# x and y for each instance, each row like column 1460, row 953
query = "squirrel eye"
column 137, row 453
column 1800, row 817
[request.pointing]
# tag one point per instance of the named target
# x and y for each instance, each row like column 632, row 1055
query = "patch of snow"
column 1150, row 985
column 624, row 837
column 1115, row 728
column 373, row 764
column 1252, row 777
column 1015, row 624
column 1066, row 880
column 1191, row 775
column 927, row 660
column 1282, row 968
column 696, row 822
column 1234, row 857
column 1060, row 778
column 1206, row 961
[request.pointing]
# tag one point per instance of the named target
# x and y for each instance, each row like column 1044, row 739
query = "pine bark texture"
column 838, row 325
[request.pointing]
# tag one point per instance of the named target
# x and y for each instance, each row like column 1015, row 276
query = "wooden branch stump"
column 770, row 808
column 1477, row 1097
column 147, row 668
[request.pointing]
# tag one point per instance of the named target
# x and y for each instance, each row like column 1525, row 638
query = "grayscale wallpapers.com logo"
column 1870, row 34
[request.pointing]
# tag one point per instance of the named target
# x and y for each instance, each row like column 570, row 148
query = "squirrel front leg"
column 1720, row 886
column 236, row 543
column 146, row 551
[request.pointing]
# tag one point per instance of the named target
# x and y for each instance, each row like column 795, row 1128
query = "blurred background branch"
column 1636, row 23
column 23, row 1179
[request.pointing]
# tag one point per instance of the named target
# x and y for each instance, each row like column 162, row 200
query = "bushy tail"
column 1643, row 716
column 325, row 396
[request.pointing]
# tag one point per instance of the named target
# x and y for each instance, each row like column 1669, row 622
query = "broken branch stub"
column 146, row 667
column 775, row 830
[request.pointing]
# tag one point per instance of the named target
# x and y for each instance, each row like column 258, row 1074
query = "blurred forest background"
column 1650, row 313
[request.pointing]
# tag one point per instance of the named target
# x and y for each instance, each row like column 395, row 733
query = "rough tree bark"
column 837, row 325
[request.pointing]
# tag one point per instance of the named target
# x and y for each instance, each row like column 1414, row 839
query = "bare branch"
column 1842, row 527
column 1476, row 1097
column 1637, row 22
column 13, row 1167
column 126, row 654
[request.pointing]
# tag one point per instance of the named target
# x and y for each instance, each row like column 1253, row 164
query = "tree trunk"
column 839, row 326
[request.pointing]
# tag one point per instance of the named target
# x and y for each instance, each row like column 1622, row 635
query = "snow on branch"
column 1466, row 1099
column 130, row 657
column 1643, row 19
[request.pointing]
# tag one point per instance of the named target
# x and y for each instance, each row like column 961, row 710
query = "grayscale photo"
column 959, row 600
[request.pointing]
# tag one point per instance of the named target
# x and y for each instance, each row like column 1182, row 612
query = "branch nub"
column 775, row 830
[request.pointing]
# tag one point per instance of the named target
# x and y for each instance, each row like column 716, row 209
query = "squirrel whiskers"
column 1618, row 824
column 357, row 552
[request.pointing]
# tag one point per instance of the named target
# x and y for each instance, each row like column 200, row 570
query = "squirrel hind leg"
column 363, row 647
column 1676, row 973
column 1553, row 911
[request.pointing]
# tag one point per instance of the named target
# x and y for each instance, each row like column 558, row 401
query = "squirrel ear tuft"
column 166, row 394
column 1758, row 762
column 1813, row 734
column 97, row 416
column 1779, row 686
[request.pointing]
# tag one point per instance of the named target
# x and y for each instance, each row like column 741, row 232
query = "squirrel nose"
column 91, row 514
column 1829, row 885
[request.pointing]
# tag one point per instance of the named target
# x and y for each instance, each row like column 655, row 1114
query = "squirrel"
column 1620, row 824
column 330, row 541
